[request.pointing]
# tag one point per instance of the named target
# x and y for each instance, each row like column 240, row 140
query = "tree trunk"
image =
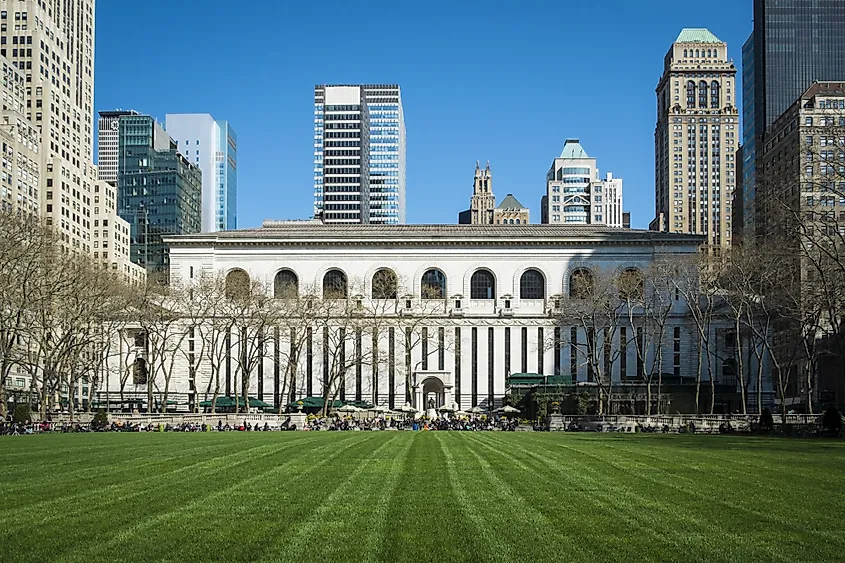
column 660, row 383
column 740, row 367
column 2, row 397
column 698, row 378
column 712, row 382
column 810, row 370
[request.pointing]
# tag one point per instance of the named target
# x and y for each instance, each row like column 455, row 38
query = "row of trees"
column 749, row 313
column 66, row 320
column 56, row 310
column 67, row 323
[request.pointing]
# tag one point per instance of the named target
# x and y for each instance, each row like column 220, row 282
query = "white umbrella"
column 446, row 408
column 476, row 410
column 348, row 408
column 379, row 408
column 507, row 409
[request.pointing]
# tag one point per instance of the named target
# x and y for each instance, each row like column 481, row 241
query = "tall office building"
column 108, row 143
column 159, row 192
column 213, row 147
column 575, row 195
column 794, row 44
column 696, row 139
column 359, row 154
column 51, row 42
column 21, row 141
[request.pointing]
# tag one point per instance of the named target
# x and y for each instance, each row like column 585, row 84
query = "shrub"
column 22, row 414
column 100, row 419
column 766, row 420
column 832, row 420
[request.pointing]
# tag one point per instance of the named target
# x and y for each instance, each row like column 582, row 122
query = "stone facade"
column 481, row 302
column 696, row 139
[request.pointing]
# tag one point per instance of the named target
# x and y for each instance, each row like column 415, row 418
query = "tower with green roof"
column 696, row 138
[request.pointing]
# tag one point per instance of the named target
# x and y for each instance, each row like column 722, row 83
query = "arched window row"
column 697, row 54
column 433, row 284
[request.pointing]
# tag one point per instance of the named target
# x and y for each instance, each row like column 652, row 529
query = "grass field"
column 391, row 496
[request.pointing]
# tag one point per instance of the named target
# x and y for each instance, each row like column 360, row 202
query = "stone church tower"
column 483, row 202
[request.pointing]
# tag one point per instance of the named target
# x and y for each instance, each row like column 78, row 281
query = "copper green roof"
column 696, row 35
column 572, row 149
column 510, row 202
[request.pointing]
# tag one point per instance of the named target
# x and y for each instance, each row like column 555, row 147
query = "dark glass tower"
column 794, row 43
column 159, row 191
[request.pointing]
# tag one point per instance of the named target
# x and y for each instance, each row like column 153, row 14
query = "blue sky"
column 490, row 80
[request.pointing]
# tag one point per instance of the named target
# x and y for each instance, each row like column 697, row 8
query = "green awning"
column 229, row 402
column 259, row 404
column 312, row 403
column 222, row 402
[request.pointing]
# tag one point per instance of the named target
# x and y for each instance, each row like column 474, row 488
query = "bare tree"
column 22, row 241
column 254, row 313
column 596, row 309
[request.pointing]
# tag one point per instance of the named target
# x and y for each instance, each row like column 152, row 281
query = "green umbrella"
column 259, row 404
column 312, row 403
column 224, row 402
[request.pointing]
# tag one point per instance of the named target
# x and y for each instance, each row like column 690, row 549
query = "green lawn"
column 402, row 496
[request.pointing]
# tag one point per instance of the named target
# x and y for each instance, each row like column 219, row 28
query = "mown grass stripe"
column 405, row 496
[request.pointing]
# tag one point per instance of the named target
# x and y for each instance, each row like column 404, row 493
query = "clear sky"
column 504, row 81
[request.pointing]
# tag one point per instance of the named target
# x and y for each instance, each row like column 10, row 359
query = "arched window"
column 690, row 94
column 237, row 284
column 532, row 285
column 433, row 285
column 334, row 285
column 581, row 284
column 685, row 53
column 631, row 285
column 708, row 53
column 714, row 95
column 517, row 221
column 385, row 284
column 702, row 94
column 285, row 285
column 482, row 285
column 696, row 53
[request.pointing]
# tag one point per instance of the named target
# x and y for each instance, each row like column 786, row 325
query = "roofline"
column 426, row 235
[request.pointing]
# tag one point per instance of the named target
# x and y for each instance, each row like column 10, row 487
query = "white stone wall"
column 471, row 373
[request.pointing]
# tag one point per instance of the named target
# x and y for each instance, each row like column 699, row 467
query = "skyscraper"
column 159, row 191
column 21, row 141
column 51, row 42
column 575, row 195
column 794, row 44
column 213, row 147
column 696, row 139
column 359, row 154
column 108, row 143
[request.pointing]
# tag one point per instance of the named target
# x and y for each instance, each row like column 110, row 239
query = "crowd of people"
column 463, row 423
column 331, row 423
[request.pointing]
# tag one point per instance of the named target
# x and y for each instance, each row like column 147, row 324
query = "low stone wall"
column 702, row 423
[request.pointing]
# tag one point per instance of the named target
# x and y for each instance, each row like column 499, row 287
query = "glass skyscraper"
column 159, row 190
column 794, row 43
column 212, row 146
column 359, row 173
